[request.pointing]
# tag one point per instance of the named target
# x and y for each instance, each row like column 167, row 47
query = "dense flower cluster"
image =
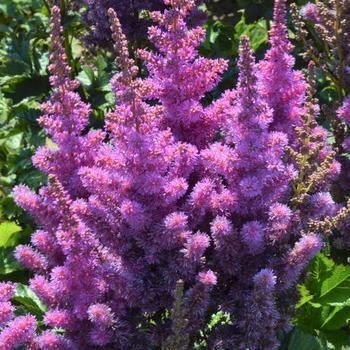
column 129, row 12
column 16, row 331
column 311, row 12
column 157, row 197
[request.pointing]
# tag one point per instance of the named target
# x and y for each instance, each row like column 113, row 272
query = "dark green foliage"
column 23, row 86
column 324, row 306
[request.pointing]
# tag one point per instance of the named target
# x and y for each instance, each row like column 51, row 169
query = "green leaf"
column 7, row 180
column 336, row 288
column 4, row 108
column 12, row 67
column 101, row 65
column 86, row 76
column 29, row 300
column 320, row 269
column 12, row 80
column 310, row 318
column 305, row 296
column 337, row 319
column 13, row 141
column 76, row 47
column 338, row 338
column 258, row 35
column 303, row 341
column 7, row 232
column 8, row 263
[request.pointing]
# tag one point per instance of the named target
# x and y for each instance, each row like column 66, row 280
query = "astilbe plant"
column 118, row 200
column 328, row 46
column 331, row 20
column 324, row 29
column 266, row 233
column 153, row 199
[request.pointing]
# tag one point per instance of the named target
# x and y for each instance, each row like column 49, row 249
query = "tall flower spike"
column 125, row 63
column 127, row 89
column 252, row 163
column 282, row 87
column 65, row 113
column 198, row 299
column 65, row 117
column 246, row 87
column 179, row 339
column 279, row 32
column 136, row 188
column 313, row 155
column 180, row 79
column 248, row 130
column 261, row 317
column 59, row 68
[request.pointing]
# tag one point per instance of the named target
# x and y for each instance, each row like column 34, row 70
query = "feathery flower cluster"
column 153, row 199
column 310, row 11
column 179, row 78
column 15, row 331
column 129, row 11
column 282, row 87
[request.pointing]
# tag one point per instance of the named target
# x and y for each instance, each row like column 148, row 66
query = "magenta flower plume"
column 179, row 77
column 310, row 12
column 14, row 331
column 19, row 332
column 254, row 166
column 65, row 117
column 254, row 237
column 7, row 291
column 298, row 258
column 282, row 87
column 51, row 341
